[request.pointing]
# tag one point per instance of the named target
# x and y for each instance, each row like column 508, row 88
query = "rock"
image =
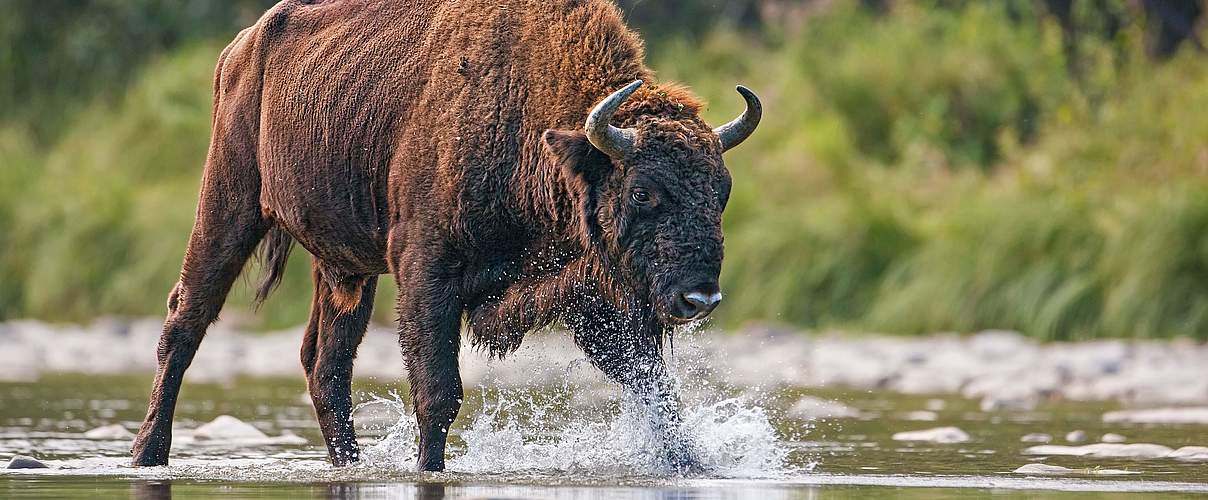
column 1190, row 453
column 1112, row 438
column 288, row 437
column 24, row 462
column 113, row 432
column 1111, row 472
column 228, row 428
column 923, row 380
column 936, row 435
column 935, row 405
column 920, row 416
column 1036, row 437
column 1057, row 470
column 1164, row 387
column 1017, row 402
column 997, row 344
column 1103, row 450
column 1075, row 436
column 1018, row 389
column 1159, row 416
column 1043, row 470
column 809, row 408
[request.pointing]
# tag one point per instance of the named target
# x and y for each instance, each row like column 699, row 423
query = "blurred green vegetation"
column 58, row 54
column 923, row 166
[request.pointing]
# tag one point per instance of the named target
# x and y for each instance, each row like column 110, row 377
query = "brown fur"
column 441, row 142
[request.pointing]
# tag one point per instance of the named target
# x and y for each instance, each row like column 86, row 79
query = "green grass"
column 927, row 170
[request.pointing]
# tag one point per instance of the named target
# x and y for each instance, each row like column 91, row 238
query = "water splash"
column 397, row 447
column 516, row 433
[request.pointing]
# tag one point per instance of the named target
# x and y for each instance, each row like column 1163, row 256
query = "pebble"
column 920, row 416
column 1036, row 437
column 1043, row 470
column 809, row 408
column 923, row 381
column 1075, row 436
column 1103, row 450
column 1197, row 415
column 114, row 432
column 288, row 437
column 936, row 435
column 228, row 428
column 998, row 344
column 1019, row 402
column 24, row 462
column 1113, row 438
column 1057, row 470
column 1196, row 453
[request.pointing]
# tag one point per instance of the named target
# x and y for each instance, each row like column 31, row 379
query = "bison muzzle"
column 501, row 159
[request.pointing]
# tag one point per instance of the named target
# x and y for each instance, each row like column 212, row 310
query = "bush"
column 917, row 170
column 943, row 170
column 116, row 198
column 57, row 54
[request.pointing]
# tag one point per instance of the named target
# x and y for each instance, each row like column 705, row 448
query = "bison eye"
column 640, row 196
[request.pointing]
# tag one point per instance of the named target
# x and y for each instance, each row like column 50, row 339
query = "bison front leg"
column 429, row 328
column 633, row 358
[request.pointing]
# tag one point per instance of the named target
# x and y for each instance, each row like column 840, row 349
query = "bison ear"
column 588, row 170
column 576, row 154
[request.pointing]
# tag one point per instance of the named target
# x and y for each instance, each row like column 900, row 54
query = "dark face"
column 656, row 213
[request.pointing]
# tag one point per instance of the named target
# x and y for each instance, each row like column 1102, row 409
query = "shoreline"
column 1004, row 370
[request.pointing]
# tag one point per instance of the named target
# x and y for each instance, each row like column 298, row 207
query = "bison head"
column 651, row 197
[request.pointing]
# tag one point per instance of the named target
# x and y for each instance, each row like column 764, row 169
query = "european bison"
column 481, row 153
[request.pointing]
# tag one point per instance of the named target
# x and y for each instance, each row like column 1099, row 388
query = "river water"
column 573, row 436
column 547, row 442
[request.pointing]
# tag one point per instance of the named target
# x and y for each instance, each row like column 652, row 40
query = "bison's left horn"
column 614, row 142
column 733, row 133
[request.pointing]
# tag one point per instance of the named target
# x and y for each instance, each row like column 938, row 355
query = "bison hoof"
column 683, row 460
column 150, row 450
column 149, row 458
column 436, row 465
column 344, row 461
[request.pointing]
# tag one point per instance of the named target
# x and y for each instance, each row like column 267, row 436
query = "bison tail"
column 274, row 254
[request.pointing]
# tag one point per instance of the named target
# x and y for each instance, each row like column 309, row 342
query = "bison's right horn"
column 733, row 133
column 614, row 142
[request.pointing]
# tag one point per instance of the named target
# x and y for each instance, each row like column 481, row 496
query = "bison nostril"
column 699, row 304
column 703, row 300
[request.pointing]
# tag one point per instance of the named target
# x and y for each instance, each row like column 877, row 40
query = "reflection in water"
column 150, row 490
column 439, row 491
column 163, row 489
column 429, row 491
column 22, row 486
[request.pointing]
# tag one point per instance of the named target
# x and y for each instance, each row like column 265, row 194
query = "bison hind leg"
column 334, row 332
column 224, row 236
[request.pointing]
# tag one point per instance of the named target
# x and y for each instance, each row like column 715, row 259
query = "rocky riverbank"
column 1003, row 370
